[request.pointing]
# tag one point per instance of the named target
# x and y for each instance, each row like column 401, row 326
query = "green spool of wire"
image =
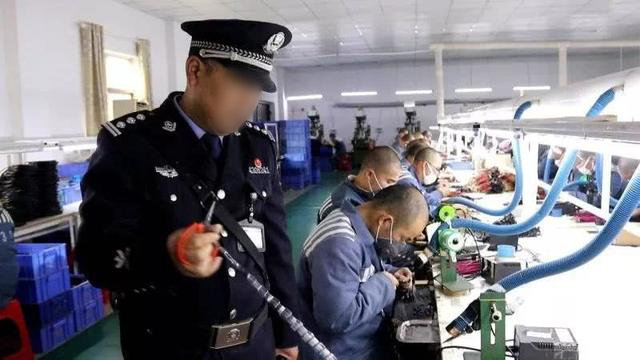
column 446, row 213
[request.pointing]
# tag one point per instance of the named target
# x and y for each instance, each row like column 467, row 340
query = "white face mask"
column 373, row 193
column 387, row 249
column 431, row 178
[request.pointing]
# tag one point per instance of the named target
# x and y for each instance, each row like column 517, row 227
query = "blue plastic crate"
column 52, row 310
column 48, row 337
column 32, row 291
column 89, row 314
column 38, row 260
column 83, row 292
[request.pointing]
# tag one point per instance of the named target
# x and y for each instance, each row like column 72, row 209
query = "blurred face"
column 389, row 229
column 382, row 178
column 223, row 99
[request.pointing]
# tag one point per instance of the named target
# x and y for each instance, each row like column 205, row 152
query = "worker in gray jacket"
column 345, row 286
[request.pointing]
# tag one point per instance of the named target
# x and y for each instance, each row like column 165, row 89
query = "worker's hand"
column 392, row 279
column 404, row 277
column 444, row 189
column 288, row 353
column 198, row 252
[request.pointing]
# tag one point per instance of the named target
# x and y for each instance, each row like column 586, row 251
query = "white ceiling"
column 357, row 30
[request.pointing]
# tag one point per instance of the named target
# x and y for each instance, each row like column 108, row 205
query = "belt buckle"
column 228, row 335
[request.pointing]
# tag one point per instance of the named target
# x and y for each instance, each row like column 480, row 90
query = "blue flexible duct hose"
column 602, row 102
column 515, row 229
column 517, row 162
column 620, row 216
column 574, row 184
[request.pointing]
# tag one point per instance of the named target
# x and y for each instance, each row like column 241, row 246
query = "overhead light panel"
column 414, row 92
column 304, row 97
column 474, row 90
column 532, row 88
column 359, row 93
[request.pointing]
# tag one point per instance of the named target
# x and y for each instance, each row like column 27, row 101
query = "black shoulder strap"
column 206, row 196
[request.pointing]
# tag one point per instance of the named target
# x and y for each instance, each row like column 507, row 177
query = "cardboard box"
column 629, row 236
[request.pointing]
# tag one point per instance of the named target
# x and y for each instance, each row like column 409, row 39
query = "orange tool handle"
column 195, row 228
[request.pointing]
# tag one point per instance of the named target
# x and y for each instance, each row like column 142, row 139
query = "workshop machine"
column 361, row 138
column 316, row 130
column 449, row 242
column 410, row 123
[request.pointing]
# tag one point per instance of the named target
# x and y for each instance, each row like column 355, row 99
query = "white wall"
column 499, row 73
column 49, row 58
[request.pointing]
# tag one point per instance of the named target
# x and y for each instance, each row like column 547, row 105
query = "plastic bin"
column 32, row 291
column 83, row 292
column 46, row 338
column 89, row 314
column 52, row 310
column 38, row 260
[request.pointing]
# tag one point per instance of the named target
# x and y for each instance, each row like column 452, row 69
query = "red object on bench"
column 13, row 314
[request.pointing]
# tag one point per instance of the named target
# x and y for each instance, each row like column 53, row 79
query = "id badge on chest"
column 255, row 232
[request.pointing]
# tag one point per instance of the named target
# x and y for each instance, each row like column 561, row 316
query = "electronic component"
column 494, row 270
column 542, row 343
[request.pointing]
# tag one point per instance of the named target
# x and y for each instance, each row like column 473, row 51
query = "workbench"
column 597, row 301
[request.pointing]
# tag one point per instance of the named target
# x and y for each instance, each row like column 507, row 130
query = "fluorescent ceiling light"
column 304, row 97
column 359, row 93
column 413, row 92
column 473, row 90
column 531, row 88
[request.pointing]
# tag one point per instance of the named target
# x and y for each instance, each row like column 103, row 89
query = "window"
column 125, row 80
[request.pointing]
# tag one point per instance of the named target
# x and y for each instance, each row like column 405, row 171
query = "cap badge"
column 274, row 43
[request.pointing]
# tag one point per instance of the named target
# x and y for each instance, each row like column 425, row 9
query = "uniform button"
column 173, row 197
column 232, row 314
column 264, row 194
column 223, row 233
column 221, row 194
column 232, row 272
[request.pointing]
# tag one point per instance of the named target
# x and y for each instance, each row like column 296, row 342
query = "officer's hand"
column 392, row 279
column 287, row 353
column 198, row 251
column 404, row 277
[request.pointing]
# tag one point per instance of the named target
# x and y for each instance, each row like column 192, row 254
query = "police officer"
column 156, row 172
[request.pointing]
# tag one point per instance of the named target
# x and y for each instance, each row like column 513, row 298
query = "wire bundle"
column 30, row 191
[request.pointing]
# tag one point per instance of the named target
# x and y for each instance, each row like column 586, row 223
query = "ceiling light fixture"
column 304, row 97
column 358, row 93
column 414, row 92
column 473, row 90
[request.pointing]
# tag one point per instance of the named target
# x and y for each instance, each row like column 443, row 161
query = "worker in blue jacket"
column 380, row 168
column 346, row 289
column 423, row 175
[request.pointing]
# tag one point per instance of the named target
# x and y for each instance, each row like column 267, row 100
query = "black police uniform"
column 150, row 176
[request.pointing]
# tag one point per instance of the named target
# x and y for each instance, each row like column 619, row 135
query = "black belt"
column 238, row 333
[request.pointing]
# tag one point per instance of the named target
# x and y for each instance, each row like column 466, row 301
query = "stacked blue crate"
column 87, row 303
column 295, row 147
column 44, row 290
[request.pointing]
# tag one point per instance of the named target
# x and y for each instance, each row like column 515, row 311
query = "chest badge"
column 257, row 167
column 169, row 126
column 167, row 171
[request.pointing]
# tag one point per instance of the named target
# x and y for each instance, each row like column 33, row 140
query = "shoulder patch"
column 126, row 123
column 256, row 129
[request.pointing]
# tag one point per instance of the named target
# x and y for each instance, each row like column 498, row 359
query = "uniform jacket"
column 344, row 290
column 138, row 190
column 345, row 191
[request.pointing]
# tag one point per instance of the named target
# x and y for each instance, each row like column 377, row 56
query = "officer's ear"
column 197, row 68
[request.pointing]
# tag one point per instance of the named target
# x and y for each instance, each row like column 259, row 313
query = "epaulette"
column 257, row 129
column 126, row 123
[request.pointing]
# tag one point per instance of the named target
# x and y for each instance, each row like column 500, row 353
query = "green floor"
column 101, row 342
